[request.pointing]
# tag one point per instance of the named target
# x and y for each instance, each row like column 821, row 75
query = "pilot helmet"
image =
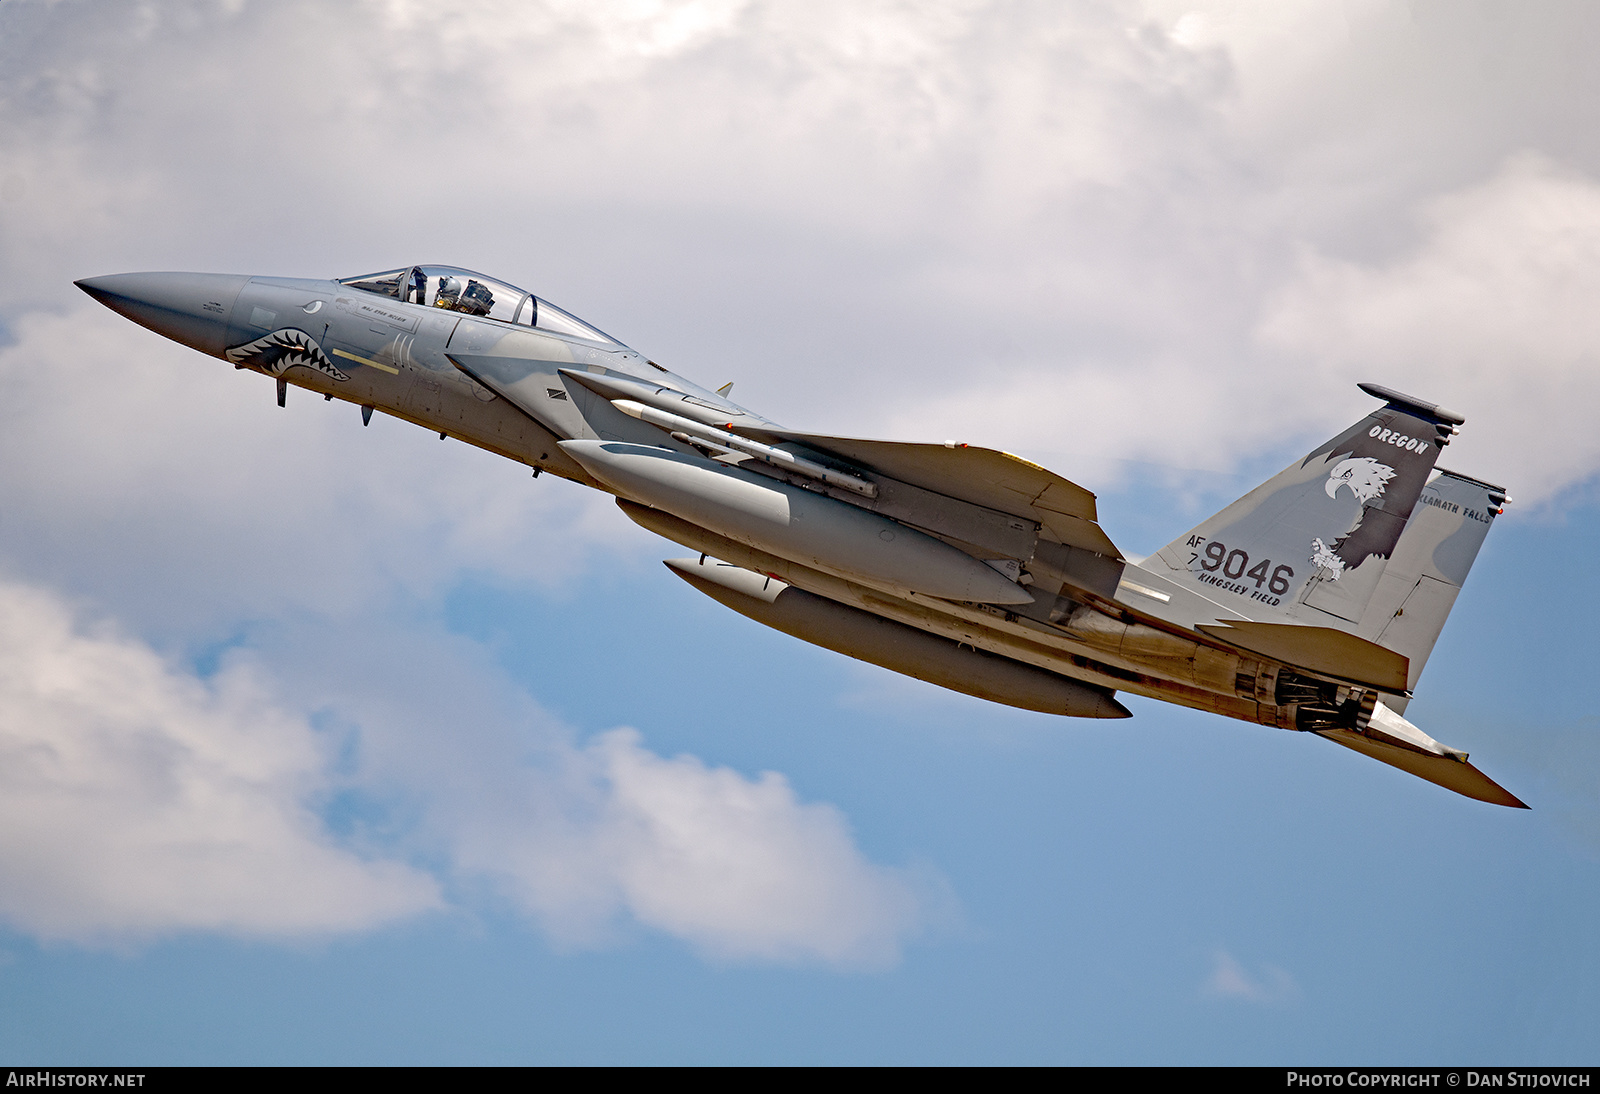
column 449, row 291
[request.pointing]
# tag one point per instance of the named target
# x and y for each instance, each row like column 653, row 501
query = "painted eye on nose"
column 312, row 308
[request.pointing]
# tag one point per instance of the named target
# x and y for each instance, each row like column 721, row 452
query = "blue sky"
column 323, row 744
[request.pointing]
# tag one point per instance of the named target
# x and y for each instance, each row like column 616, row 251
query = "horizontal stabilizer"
column 1446, row 771
column 1321, row 650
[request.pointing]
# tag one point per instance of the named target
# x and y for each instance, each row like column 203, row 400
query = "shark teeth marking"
column 282, row 350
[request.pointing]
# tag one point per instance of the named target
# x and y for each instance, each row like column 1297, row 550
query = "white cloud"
column 1491, row 314
column 136, row 800
column 737, row 866
column 1230, row 980
column 741, row 866
column 593, row 839
column 1488, row 313
column 1167, row 232
column 1046, row 228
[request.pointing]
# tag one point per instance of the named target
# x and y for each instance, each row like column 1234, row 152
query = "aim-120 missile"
column 811, row 529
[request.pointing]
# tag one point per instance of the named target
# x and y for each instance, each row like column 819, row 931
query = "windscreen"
column 454, row 289
column 540, row 313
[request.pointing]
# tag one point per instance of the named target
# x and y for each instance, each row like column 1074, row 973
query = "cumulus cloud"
column 1074, row 230
column 1230, row 980
column 1165, row 231
column 1491, row 312
column 138, row 800
column 593, row 839
column 739, row 867
column 1486, row 313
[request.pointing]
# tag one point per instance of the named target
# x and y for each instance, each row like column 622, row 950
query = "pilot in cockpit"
column 449, row 293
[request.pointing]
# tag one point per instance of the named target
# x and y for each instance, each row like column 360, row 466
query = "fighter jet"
column 1310, row 604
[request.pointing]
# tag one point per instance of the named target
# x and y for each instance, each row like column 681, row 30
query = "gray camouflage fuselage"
column 1310, row 604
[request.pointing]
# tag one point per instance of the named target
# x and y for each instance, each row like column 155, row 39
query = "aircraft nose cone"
column 191, row 308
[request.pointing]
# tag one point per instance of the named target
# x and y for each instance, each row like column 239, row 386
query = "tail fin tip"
column 1401, row 401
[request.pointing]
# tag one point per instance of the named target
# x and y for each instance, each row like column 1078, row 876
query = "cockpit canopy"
column 458, row 290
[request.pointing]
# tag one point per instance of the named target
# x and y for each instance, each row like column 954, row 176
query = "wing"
column 986, row 477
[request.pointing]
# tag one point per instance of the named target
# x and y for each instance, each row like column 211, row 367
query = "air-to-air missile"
column 1310, row 604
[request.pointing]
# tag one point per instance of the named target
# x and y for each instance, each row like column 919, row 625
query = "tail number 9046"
column 1235, row 566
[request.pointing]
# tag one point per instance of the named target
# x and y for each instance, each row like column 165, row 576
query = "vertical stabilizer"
column 1312, row 544
column 1430, row 564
